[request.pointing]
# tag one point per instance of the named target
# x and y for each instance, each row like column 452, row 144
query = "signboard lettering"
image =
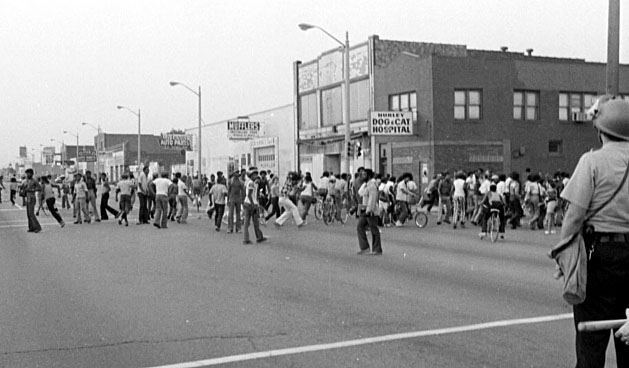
column 243, row 129
column 391, row 123
column 176, row 141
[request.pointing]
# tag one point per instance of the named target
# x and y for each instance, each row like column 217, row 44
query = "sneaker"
column 245, row 242
column 438, row 222
column 230, row 231
column 374, row 253
column 119, row 221
column 262, row 240
column 301, row 225
column 277, row 225
column 217, row 229
column 363, row 251
column 97, row 220
column 546, row 232
column 502, row 236
column 157, row 226
column 446, row 221
column 77, row 222
column 398, row 224
column 482, row 235
column 62, row 224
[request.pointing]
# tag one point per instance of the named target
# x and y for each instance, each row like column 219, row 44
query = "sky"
column 67, row 62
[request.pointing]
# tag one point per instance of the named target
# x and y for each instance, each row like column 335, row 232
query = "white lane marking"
column 26, row 225
column 369, row 340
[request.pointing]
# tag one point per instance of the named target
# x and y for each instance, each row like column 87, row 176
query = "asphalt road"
column 101, row 295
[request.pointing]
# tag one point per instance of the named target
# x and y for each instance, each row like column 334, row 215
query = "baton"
column 600, row 325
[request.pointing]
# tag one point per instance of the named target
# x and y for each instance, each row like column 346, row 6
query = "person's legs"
column 306, row 201
column 50, row 202
column 361, row 227
column 238, row 216
column 91, row 198
column 284, row 203
column 220, row 211
column 248, row 212
column 376, row 245
column 159, row 212
column 33, row 223
column 294, row 211
column 143, row 215
column 256, row 224
column 230, row 216
column 184, row 209
column 85, row 209
column 12, row 196
column 104, row 198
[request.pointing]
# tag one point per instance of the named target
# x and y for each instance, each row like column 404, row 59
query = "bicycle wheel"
column 344, row 212
column 318, row 212
column 493, row 227
column 421, row 219
column 328, row 214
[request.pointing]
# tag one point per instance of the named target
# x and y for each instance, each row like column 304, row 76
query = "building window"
column 572, row 102
column 332, row 106
column 308, row 111
column 403, row 102
column 555, row 147
column 359, row 100
column 467, row 104
column 526, row 105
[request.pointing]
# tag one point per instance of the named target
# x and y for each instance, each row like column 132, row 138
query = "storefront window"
column 332, row 106
column 308, row 110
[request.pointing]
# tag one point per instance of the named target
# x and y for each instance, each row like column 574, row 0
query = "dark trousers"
column 151, row 205
column 50, row 202
column 275, row 208
column 65, row 203
column 516, row 212
column 12, row 197
column 104, row 207
column 234, row 208
column 33, row 224
column 252, row 214
column 607, row 297
column 361, row 229
column 220, row 211
column 172, row 203
column 143, row 216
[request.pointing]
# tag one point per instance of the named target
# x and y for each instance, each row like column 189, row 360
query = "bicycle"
column 318, row 208
column 458, row 213
column 330, row 212
column 493, row 224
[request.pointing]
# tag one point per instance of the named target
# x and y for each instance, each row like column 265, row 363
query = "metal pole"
column 346, row 118
column 613, row 42
column 139, row 142
column 199, row 172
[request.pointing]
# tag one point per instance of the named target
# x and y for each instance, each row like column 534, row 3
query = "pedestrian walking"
column 182, row 198
column 235, row 196
column 287, row 196
column 48, row 196
column 80, row 190
column 143, row 193
column 251, row 207
column 368, row 215
column 90, row 182
column 218, row 195
column 161, row 201
column 173, row 189
column 597, row 177
column 65, row 191
column 307, row 195
column 401, row 199
column 126, row 189
column 274, row 197
column 29, row 188
column 13, row 188
column 104, row 199
column 1, row 187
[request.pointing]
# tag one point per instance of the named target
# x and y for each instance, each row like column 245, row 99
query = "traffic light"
column 350, row 149
column 359, row 149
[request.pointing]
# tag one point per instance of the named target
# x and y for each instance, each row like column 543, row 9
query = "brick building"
column 471, row 108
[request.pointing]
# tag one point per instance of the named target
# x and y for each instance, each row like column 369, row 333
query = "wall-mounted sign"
column 176, row 141
column 391, row 123
column 243, row 129
column 87, row 155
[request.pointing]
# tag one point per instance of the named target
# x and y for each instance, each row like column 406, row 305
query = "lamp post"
column 60, row 149
column 199, row 96
column 346, row 121
column 76, row 164
column 95, row 145
column 139, row 120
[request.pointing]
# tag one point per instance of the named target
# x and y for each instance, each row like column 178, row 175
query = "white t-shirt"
column 161, row 186
column 484, row 186
column 307, row 189
column 251, row 187
column 501, row 187
column 181, row 188
column 459, row 187
column 324, row 183
column 401, row 195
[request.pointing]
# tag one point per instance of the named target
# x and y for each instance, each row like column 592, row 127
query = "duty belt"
column 612, row 238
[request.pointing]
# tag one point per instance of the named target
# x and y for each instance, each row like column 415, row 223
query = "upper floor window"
column 526, row 105
column 573, row 102
column 403, row 102
column 308, row 111
column 467, row 104
column 359, row 100
column 331, row 107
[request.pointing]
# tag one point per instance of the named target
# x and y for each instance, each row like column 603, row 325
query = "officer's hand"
column 623, row 332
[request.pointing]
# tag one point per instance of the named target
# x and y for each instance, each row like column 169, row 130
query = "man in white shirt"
column 182, row 197
column 250, row 207
column 143, row 192
column 161, row 201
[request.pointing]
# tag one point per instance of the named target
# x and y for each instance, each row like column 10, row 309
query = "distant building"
column 498, row 110
column 264, row 139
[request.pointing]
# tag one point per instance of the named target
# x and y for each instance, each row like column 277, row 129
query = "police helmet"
column 611, row 116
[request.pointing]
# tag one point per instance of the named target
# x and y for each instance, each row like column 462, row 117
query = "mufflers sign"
column 391, row 123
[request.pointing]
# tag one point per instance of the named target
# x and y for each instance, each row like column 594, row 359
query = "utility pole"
column 613, row 44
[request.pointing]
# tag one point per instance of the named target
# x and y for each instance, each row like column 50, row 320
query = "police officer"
column 596, row 177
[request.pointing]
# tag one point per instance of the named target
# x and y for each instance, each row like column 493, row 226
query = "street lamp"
column 96, row 144
column 198, row 95
column 61, row 149
column 139, row 120
column 76, row 164
column 345, row 46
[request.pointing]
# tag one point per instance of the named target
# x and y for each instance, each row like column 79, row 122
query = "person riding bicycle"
column 493, row 200
column 458, row 198
column 324, row 184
